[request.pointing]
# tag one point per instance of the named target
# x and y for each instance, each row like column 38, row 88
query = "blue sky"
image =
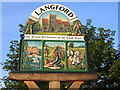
column 102, row 14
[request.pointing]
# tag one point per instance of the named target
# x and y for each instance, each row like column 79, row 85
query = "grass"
column 49, row 57
column 50, row 33
column 77, row 49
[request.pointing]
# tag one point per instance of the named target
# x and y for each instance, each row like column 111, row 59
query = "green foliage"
column 11, row 64
column 12, row 84
column 20, row 25
column 65, row 85
column 102, row 59
column 43, row 85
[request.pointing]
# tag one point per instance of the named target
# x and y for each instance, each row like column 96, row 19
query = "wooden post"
column 76, row 85
column 31, row 85
column 53, row 78
column 54, row 85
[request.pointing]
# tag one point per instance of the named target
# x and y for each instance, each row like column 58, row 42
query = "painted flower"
column 83, row 66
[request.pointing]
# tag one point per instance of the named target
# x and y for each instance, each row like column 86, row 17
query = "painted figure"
column 73, row 56
column 30, row 24
column 50, row 60
column 55, row 61
column 77, row 26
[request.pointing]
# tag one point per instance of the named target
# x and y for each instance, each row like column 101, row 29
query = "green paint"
column 86, row 64
column 66, row 62
column 42, row 61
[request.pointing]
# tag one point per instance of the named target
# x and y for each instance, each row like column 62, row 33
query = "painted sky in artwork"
column 37, row 44
column 77, row 43
column 54, row 44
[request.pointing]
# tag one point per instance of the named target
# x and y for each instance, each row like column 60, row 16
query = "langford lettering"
column 55, row 7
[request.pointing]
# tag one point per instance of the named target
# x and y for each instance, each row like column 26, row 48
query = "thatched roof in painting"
column 60, row 50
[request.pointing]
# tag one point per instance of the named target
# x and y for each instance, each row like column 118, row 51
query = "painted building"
column 46, row 52
column 32, row 50
column 52, row 24
column 60, row 50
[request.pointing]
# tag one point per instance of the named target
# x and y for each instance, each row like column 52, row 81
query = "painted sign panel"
column 76, row 55
column 51, row 19
column 31, row 55
column 54, row 55
column 53, row 41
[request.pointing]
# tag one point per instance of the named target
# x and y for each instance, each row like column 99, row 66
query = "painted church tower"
column 52, row 22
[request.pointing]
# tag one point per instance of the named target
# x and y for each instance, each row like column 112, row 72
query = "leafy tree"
column 102, row 59
column 71, row 45
column 11, row 64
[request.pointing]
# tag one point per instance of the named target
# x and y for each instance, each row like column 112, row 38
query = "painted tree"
column 71, row 45
column 102, row 59
column 35, row 27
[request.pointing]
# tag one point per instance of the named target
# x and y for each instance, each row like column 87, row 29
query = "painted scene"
column 76, row 55
column 31, row 58
column 52, row 22
column 54, row 55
